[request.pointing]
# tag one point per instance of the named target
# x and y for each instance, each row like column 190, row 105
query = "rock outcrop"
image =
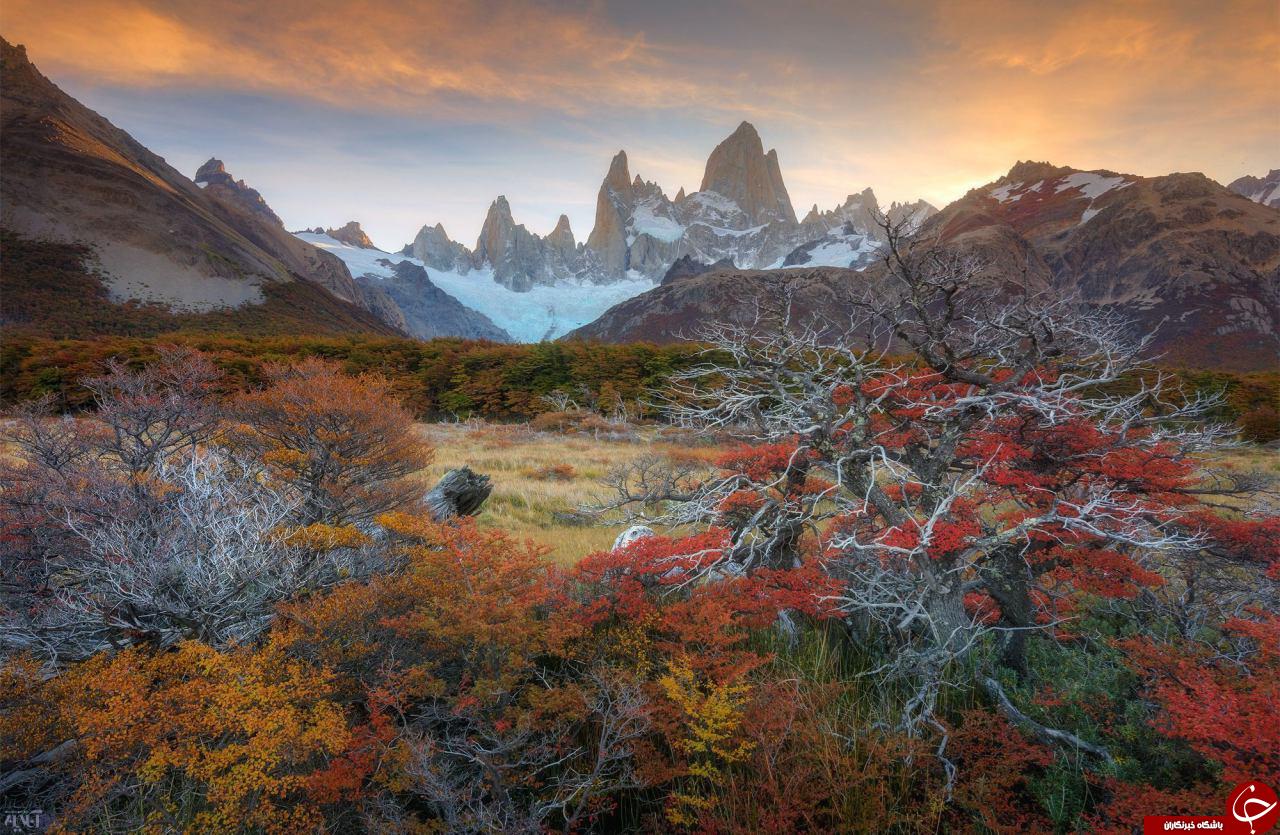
column 213, row 177
column 352, row 235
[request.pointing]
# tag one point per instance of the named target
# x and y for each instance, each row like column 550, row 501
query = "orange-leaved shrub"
column 341, row 441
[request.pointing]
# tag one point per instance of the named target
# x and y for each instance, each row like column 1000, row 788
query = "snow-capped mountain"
column 1264, row 190
column 850, row 234
column 741, row 212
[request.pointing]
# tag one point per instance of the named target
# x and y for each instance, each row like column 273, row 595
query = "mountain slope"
column 426, row 311
column 1264, row 190
column 677, row 309
column 1179, row 254
column 156, row 239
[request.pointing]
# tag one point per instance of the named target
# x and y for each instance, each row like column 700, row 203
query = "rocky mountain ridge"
column 214, row 179
column 1179, row 255
column 181, row 249
column 421, row 309
column 741, row 212
column 1264, row 190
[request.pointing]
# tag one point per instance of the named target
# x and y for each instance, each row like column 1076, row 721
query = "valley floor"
column 541, row 479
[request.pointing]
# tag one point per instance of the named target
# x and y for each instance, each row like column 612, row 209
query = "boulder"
column 630, row 535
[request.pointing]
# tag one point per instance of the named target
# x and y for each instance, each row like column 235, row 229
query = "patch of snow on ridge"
column 1005, row 193
column 1091, row 185
column 839, row 253
column 716, row 201
column 850, row 251
column 724, row 232
column 545, row 312
column 1265, row 194
column 645, row 222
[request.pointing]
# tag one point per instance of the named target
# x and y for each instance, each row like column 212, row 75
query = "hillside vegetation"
column 1010, row 582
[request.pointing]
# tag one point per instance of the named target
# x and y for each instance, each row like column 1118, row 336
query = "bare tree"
column 900, row 418
column 156, row 411
column 130, row 527
column 206, row 562
column 559, row 400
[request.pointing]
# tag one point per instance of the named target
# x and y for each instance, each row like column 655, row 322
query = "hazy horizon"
column 397, row 115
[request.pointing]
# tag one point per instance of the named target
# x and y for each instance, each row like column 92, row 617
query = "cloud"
column 919, row 98
column 428, row 55
column 1142, row 87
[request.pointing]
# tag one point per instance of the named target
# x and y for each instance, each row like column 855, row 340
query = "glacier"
column 544, row 312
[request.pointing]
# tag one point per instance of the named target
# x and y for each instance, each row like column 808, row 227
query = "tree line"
column 446, row 379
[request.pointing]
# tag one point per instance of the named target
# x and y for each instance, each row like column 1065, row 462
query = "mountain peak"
column 561, row 237
column 352, row 235
column 209, row 171
column 739, row 169
column 214, row 178
column 1027, row 170
column 18, row 51
column 619, row 177
column 499, row 212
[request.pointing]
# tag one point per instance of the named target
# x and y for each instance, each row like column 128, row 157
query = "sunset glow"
column 400, row 114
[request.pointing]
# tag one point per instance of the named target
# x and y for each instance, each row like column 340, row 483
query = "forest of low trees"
column 1001, row 580
column 448, row 379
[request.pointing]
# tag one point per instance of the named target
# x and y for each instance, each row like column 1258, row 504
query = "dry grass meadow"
column 540, row 479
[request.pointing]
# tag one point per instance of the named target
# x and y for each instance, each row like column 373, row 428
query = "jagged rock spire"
column 562, row 236
column 739, row 169
column 608, row 236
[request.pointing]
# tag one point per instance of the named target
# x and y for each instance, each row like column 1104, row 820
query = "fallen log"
column 460, row 492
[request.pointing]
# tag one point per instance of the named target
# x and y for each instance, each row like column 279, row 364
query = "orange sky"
column 417, row 112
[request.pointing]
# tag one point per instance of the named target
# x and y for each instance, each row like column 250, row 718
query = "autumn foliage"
column 225, row 610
